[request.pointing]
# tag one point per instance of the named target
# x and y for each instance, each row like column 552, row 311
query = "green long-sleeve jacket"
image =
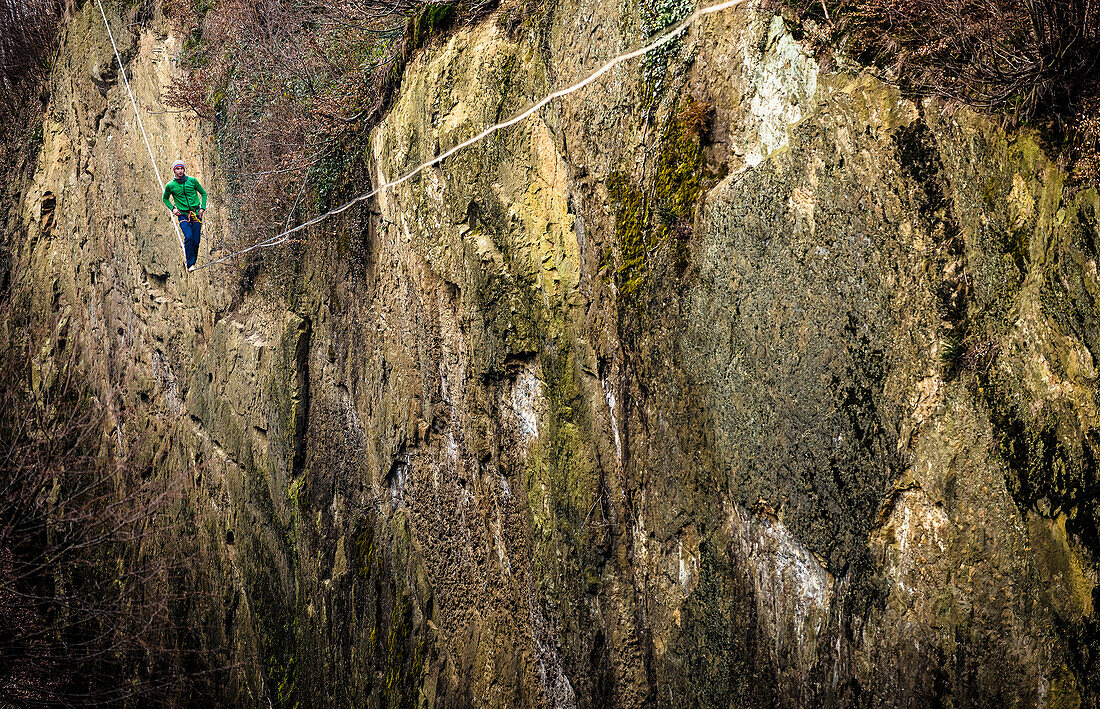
column 185, row 195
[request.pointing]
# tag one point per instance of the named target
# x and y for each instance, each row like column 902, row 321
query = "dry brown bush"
column 1034, row 61
column 28, row 34
column 28, row 38
column 292, row 87
column 28, row 29
column 86, row 613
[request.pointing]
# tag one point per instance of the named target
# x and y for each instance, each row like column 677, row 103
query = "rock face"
column 724, row 382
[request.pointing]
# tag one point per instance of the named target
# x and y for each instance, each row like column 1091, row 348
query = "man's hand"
column 176, row 212
column 202, row 213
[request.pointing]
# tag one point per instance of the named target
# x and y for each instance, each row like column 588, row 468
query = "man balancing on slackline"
column 188, row 208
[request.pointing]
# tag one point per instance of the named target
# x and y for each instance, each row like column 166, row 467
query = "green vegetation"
column 951, row 351
column 644, row 222
column 656, row 17
column 432, row 20
column 368, row 557
column 277, row 620
column 632, row 232
column 402, row 671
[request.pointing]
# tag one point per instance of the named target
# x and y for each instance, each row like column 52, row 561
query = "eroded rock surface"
column 759, row 385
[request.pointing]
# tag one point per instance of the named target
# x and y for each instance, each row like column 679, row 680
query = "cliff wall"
column 727, row 381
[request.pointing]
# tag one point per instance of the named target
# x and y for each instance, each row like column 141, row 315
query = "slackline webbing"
column 282, row 237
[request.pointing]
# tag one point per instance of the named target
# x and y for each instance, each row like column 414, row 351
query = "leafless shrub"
column 28, row 32
column 979, row 355
column 85, row 613
column 1032, row 60
column 290, row 86
column 293, row 88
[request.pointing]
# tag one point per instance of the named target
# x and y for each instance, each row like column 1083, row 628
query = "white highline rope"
column 660, row 41
column 122, row 70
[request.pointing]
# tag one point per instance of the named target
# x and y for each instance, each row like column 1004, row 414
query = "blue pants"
column 192, row 231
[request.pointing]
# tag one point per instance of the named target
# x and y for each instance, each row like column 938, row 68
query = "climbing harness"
column 126, row 81
column 192, row 217
column 283, row 237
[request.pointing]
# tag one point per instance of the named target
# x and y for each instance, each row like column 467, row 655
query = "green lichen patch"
column 679, row 167
column 432, row 21
column 364, row 549
column 646, row 219
column 568, row 475
column 276, row 622
column 381, row 611
column 632, row 232
column 1047, row 475
column 572, row 534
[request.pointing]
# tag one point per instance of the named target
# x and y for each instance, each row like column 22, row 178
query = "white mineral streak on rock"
column 641, row 539
column 559, row 691
column 784, row 83
column 919, row 529
column 435, row 186
column 793, row 590
column 399, row 477
column 609, row 396
column 168, row 385
column 525, row 399
column 688, row 559
column 452, row 448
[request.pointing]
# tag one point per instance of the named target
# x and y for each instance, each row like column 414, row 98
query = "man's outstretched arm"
column 198, row 187
column 164, row 198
